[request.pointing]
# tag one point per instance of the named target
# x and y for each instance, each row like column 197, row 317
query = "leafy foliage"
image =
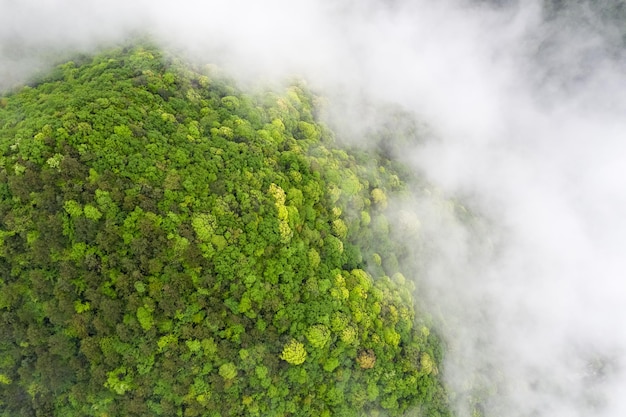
column 172, row 246
column 294, row 353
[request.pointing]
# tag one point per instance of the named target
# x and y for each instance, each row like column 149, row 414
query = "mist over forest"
column 506, row 119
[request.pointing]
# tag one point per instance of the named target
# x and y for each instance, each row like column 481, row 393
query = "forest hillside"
column 173, row 246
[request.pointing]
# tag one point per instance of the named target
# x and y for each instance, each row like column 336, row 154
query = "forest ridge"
column 171, row 245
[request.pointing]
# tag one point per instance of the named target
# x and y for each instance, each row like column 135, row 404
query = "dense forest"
column 173, row 246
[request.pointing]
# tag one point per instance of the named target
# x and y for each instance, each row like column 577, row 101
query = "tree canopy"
column 171, row 245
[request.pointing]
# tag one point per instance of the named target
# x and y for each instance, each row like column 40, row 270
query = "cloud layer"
column 526, row 128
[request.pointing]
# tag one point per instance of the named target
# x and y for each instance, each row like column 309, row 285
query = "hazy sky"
column 527, row 127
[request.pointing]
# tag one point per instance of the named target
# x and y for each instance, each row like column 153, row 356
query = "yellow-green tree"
column 318, row 335
column 294, row 353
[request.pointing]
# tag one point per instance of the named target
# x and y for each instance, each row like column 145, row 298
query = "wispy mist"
column 524, row 109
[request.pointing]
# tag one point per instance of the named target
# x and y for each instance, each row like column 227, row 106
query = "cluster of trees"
column 172, row 246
